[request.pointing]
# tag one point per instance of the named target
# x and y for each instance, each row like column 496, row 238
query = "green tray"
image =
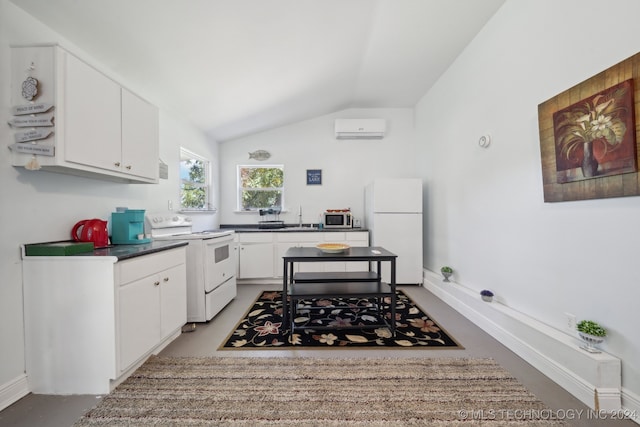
column 58, row 248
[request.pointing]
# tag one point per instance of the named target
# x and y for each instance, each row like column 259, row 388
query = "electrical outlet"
column 571, row 321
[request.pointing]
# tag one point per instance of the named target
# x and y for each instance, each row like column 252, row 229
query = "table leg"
column 285, row 306
column 292, row 313
column 393, row 297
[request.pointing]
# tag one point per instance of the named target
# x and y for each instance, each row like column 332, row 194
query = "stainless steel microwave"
column 336, row 219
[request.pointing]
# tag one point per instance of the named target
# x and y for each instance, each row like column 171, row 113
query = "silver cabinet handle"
column 156, row 283
column 128, row 167
column 166, row 279
column 117, row 164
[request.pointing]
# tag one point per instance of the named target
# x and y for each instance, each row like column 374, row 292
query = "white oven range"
column 211, row 266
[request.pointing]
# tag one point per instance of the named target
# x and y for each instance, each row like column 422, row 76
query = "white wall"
column 41, row 206
column 485, row 211
column 347, row 165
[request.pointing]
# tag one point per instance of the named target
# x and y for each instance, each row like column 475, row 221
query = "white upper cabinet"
column 91, row 116
column 100, row 129
column 140, row 151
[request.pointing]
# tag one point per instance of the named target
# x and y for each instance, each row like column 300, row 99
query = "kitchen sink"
column 270, row 225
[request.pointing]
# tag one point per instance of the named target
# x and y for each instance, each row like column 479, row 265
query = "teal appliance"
column 127, row 227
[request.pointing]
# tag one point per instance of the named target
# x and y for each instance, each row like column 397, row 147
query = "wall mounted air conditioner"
column 360, row 128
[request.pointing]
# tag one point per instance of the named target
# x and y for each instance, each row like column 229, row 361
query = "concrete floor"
column 63, row 411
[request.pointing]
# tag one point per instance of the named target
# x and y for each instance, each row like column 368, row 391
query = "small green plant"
column 592, row 328
column 446, row 269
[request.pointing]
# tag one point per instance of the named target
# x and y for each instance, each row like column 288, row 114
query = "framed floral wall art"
column 588, row 137
column 596, row 136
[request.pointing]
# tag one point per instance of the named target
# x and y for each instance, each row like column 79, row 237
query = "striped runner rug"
column 268, row 391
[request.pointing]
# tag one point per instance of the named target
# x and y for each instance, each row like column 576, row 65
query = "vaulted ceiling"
column 236, row 67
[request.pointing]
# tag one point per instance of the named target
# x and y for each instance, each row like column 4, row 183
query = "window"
column 194, row 182
column 260, row 187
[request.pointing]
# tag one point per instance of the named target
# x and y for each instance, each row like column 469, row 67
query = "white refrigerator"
column 393, row 215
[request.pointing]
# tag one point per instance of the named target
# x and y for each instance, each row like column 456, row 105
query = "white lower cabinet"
column 91, row 320
column 357, row 239
column 294, row 240
column 150, row 309
column 139, row 312
column 260, row 253
column 352, row 238
column 255, row 255
column 173, row 300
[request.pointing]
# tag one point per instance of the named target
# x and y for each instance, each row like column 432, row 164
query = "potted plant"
column 446, row 272
column 592, row 334
column 487, row 295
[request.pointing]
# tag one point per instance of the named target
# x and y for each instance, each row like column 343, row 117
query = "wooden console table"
column 356, row 284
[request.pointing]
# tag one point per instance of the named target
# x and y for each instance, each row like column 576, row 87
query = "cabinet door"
column 289, row 240
column 357, row 239
column 173, row 299
column 92, row 124
column 280, row 251
column 256, row 260
column 334, row 237
column 139, row 136
column 139, row 311
column 236, row 252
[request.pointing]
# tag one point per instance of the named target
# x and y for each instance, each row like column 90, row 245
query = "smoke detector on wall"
column 484, row 141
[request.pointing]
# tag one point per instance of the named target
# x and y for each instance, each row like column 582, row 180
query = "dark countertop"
column 288, row 228
column 123, row 252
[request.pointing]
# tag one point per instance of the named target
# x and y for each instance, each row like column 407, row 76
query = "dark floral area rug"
column 351, row 320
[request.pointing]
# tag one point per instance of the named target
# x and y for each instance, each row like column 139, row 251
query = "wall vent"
column 360, row 128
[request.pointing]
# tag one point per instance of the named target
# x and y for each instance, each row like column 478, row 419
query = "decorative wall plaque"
column 32, row 121
column 21, row 110
column 260, row 155
column 43, row 150
column 30, row 88
column 314, row 176
column 32, row 135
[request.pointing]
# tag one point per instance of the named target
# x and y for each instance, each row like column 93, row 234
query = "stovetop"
column 168, row 220
column 175, row 226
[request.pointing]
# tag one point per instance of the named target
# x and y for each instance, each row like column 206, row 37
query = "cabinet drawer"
column 266, row 237
column 362, row 236
column 147, row 265
column 335, row 236
column 305, row 237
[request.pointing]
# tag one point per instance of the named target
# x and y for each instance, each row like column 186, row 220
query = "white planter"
column 591, row 341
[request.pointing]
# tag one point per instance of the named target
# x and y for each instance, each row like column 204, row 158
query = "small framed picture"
column 314, row 176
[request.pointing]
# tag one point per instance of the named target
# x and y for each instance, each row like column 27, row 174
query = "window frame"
column 240, row 189
column 186, row 154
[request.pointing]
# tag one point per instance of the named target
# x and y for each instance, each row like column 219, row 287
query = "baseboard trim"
column 594, row 379
column 631, row 405
column 14, row 390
